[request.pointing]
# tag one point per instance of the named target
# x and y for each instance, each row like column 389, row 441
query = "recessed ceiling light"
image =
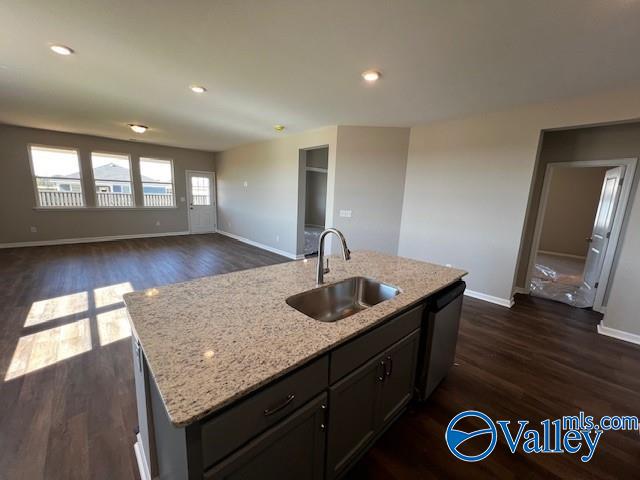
column 61, row 49
column 138, row 128
column 371, row 75
column 197, row 89
column 279, row 128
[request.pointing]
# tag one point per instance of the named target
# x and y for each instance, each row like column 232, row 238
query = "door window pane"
column 200, row 191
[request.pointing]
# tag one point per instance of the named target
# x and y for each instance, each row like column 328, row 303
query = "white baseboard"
column 503, row 302
column 292, row 256
column 558, row 254
column 619, row 334
column 110, row 238
column 143, row 465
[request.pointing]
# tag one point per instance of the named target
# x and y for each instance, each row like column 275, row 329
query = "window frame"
column 94, row 180
column 34, row 177
column 173, row 181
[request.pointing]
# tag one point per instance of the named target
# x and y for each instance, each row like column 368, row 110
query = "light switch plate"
column 345, row 213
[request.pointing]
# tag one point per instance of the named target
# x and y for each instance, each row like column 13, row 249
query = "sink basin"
column 342, row 299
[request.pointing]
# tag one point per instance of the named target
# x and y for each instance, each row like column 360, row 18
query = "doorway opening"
column 579, row 222
column 312, row 201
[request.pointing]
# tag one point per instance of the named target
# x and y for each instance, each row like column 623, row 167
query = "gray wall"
column 573, row 199
column 370, row 174
column 17, row 198
column 266, row 209
column 470, row 180
column 366, row 168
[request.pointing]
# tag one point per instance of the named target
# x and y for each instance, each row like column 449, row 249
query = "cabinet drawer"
column 350, row 356
column 225, row 433
column 293, row 449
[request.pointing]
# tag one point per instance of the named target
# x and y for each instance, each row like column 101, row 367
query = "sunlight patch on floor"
column 105, row 296
column 45, row 348
column 52, row 308
column 113, row 326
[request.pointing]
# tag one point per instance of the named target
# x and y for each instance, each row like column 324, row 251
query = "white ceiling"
column 298, row 62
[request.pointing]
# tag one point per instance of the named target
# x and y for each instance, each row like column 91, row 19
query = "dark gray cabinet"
column 400, row 368
column 353, row 417
column 364, row 402
column 231, row 429
column 313, row 423
column 294, row 448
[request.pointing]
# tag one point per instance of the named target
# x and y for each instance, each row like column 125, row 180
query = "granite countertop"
column 212, row 340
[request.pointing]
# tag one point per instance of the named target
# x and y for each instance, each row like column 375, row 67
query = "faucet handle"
column 326, row 269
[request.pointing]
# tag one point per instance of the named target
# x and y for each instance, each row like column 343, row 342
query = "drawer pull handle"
column 287, row 401
column 389, row 370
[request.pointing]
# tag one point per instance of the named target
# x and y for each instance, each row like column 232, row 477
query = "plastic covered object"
column 548, row 283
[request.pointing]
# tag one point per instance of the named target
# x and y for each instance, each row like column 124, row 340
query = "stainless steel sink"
column 342, row 299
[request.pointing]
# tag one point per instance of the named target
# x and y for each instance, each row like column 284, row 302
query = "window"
column 157, row 182
column 56, row 177
column 112, row 177
column 200, row 191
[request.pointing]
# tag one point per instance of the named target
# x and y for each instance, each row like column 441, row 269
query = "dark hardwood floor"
column 538, row 360
column 74, row 418
column 67, row 405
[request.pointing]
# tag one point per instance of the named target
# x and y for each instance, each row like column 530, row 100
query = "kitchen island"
column 229, row 377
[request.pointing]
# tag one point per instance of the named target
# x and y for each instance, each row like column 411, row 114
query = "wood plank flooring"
column 68, row 412
column 538, row 360
column 67, row 401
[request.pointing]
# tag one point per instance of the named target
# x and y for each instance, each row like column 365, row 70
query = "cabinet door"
column 400, row 369
column 293, row 449
column 353, row 420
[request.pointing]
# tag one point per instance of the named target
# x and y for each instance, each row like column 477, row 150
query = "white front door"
column 202, row 202
column 602, row 226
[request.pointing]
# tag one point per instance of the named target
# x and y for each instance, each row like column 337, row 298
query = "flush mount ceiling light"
column 371, row 75
column 197, row 89
column 279, row 128
column 61, row 49
column 138, row 128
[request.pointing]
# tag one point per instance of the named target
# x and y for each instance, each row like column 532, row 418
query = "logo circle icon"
column 455, row 438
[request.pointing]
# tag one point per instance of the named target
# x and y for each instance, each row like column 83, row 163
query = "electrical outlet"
column 345, row 213
column 246, row 184
column 182, row 199
column 33, row 229
column 157, row 223
column 277, row 238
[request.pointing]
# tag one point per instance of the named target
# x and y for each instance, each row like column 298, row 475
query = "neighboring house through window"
column 56, row 177
column 157, row 182
column 112, row 177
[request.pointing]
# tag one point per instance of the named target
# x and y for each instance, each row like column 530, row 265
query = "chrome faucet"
column 346, row 254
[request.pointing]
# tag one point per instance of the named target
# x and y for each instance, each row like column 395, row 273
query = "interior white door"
column 202, row 204
column 602, row 226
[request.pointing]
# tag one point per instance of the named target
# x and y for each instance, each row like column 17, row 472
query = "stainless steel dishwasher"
column 439, row 336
